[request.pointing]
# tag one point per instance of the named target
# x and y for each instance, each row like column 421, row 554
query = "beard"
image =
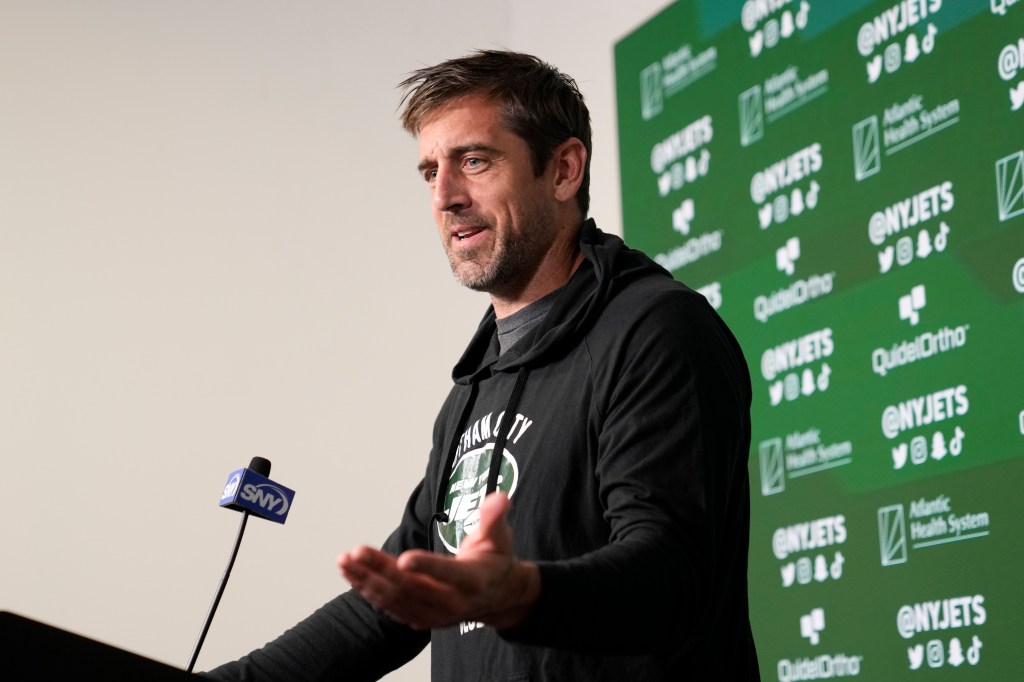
column 507, row 265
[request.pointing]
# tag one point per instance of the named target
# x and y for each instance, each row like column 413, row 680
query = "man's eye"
column 473, row 163
column 430, row 175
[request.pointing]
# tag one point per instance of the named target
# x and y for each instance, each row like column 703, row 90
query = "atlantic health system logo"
column 933, row 523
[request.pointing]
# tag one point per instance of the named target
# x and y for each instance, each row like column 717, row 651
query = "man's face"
column 496, row 219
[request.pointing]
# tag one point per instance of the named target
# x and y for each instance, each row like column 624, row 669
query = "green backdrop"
column 843, row 181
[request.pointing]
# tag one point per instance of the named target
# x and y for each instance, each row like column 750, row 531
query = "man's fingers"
column 441, row 570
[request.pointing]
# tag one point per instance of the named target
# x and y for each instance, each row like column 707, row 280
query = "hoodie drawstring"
column 499, row 443
column 444, row 474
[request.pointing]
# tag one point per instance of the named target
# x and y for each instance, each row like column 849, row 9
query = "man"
column 608, row 541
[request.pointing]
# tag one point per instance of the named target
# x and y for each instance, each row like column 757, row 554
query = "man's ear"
column 570, row 160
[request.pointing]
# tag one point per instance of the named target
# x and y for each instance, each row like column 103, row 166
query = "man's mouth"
column 465, row 234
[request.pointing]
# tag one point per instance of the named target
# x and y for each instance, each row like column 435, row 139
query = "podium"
column 33, row 651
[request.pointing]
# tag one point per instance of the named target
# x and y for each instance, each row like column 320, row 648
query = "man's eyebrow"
column 429, row 162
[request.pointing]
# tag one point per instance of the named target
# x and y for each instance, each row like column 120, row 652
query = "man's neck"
column 543, row 282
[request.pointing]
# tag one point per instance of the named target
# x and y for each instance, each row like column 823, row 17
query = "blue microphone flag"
column 248, row 490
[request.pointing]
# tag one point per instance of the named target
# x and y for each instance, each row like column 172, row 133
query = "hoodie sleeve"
column 671, row 416
column 346, row 639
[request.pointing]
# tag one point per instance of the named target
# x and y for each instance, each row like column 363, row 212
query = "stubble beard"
column 508, row 266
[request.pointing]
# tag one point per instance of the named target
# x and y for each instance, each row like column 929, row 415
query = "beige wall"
column 214, row 245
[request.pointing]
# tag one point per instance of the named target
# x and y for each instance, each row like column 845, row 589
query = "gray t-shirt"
column 517, row 325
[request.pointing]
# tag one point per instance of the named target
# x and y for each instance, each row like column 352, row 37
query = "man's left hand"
column 484, row 582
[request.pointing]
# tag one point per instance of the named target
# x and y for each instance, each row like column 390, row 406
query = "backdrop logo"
column 892, row 535
column 682, row 216
column 1011, row 62
column 1000, row 6
column 890, row 27
column 812, row 625
column 903, row 125
column 1018, row 276
column 673, row 73
column 781, row 176
column 773, row 467
column 768, row 26
column 933, row 523
column 809, row 536
column 941, row 614
column 1010, row 185
column 903, row 216
column 782, row 94
column 937, row 616
column 924, row 346
column 751, row 116
column 651, row 95
column 936, row 653
column 787, row 255
column 925, row 410
column 867, row 149
column 796, row 294
column 912, row 304
column 682, row 158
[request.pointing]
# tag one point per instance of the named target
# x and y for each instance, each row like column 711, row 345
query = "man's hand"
column 484, row 582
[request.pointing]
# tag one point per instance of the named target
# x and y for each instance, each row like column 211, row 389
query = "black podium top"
column 35, row 651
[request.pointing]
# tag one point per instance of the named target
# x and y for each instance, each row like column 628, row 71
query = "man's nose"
column 450, row 192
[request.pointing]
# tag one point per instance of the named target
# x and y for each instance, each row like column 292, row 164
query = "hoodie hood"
column 608, row 266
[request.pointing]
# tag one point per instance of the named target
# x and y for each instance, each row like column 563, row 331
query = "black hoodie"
column 624, row 422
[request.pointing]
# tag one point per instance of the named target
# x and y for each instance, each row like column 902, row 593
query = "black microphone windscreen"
column 261, row 466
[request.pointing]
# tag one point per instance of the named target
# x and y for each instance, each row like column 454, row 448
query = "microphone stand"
column 220, row 592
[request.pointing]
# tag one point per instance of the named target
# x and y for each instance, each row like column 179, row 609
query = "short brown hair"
column 539, row 103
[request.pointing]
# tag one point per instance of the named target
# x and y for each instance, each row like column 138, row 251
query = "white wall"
column 214, row 245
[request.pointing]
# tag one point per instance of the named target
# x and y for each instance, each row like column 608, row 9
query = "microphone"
column 250, row 492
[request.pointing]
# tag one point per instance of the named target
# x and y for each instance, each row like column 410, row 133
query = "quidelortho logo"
column 787, row 255
column 1010, row 185
column 954, row 613
column 683, row 158
column 817, row 538
column 768, row 23
column 1011, row 63
column 904, row 124
column 926, row 345
column 785, row 180
column 798, row 293
column 693, row 249
column 905, row 33
column 812, row 625
column 682, row 216
column 911, row 305
column 673, row 73
column 791, row 367
column 900, row 218
column 781, row 94
column 1000, row 7
column 933, row 522
column 820, row 667
column 800, row 453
